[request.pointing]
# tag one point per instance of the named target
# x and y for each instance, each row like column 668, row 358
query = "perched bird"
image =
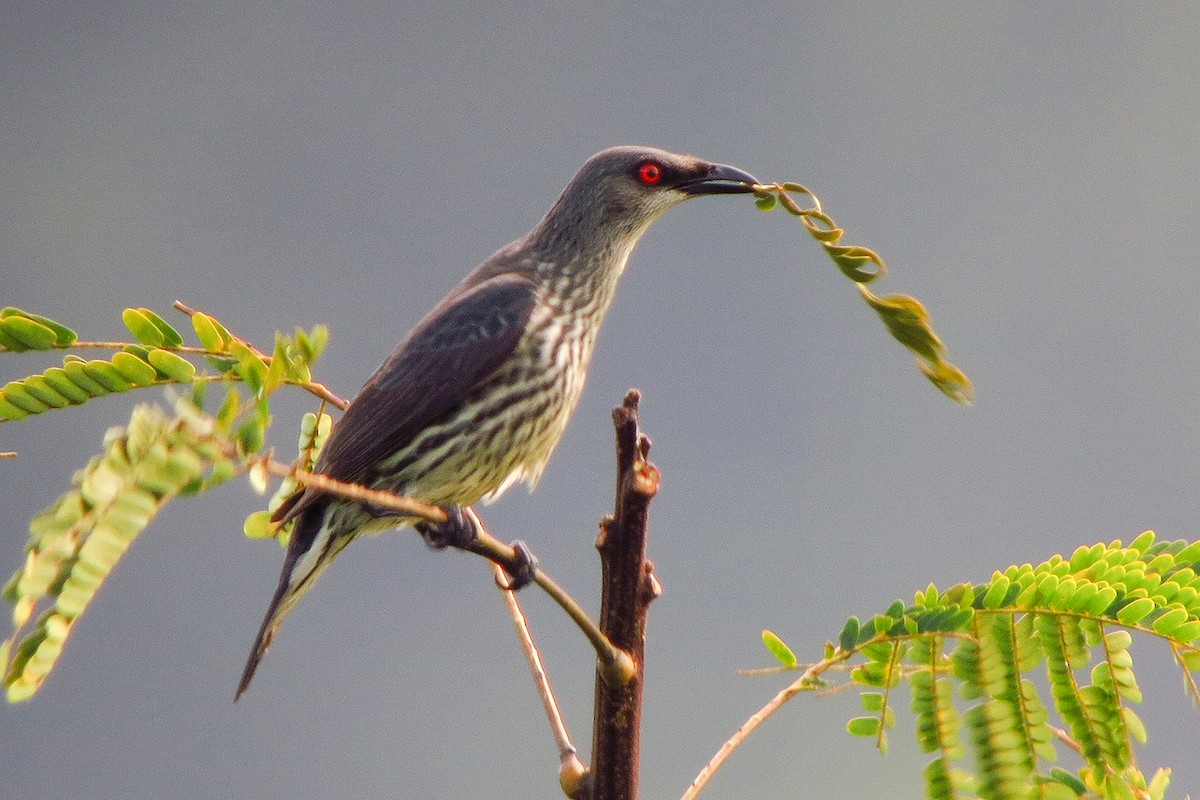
column 476, row 397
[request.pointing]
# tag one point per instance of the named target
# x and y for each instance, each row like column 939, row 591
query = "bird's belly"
column 505, row 431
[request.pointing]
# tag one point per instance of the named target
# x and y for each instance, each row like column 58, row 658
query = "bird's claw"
column 523, row 570
column 460, row 530
column 457, row 531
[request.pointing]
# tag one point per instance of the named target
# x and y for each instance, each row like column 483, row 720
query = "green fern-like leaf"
column 904, row 317
column 1073, row 618
column 937, row 720
column 77, row 541
column 154, row 360
column 78, row 381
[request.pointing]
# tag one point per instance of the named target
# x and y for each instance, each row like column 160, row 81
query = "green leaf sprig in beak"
column 905, row 318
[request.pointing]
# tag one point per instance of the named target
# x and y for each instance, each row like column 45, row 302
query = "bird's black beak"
column 719, row 179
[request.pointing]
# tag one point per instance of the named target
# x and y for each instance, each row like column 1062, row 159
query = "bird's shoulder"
column 484, row 307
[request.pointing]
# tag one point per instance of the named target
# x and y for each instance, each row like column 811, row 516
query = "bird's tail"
column 309, row 551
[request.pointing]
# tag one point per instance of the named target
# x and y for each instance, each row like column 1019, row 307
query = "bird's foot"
column 524, row 568
column 457, row 531
column 462, row 530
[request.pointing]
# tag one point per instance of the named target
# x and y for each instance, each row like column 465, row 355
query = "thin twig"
column 571, row 770
column 758, row 672
column 323, row 392
column 78, row 345
column 615, row 662
column 1066, row 739
column 353, row 491
column 806, row 682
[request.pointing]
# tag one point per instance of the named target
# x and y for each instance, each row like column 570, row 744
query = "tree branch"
column 628, row 586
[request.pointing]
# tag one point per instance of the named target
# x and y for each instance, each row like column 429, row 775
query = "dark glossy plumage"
column 458, row 346
column 477, row 396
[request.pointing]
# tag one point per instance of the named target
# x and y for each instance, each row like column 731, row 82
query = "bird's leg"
column 463, row 530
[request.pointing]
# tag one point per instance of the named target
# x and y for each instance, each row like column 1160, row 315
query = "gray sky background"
column 1028, row 170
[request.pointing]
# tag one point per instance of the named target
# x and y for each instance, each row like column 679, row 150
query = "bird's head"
column 618, row 192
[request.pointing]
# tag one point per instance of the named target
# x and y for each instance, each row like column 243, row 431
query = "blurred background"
column 1026, row 170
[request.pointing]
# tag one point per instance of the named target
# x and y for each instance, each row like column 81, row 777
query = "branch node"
column 606, row 522
column 651, row 588
column 643, row 478
column 572, row 776
column 619, row 670
column 643, row 446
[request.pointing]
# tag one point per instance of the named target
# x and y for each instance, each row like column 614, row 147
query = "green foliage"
column 78, row 381
column 158, row 358
column 1070, row 619
column 76, row 542
column 904, row 317
column 783, row 654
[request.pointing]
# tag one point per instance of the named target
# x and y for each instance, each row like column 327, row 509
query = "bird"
column 477, row 395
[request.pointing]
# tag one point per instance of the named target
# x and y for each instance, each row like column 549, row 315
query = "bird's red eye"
column 650, row 173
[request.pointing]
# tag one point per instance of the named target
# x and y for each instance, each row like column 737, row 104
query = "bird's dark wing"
column 458, row 345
